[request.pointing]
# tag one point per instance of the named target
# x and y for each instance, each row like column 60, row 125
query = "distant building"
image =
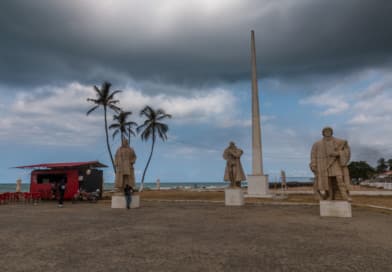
column 385, row 175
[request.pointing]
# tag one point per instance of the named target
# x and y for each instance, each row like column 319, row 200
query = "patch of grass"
column 384, row 201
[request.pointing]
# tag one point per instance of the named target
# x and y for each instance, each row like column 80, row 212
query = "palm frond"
column 162, row 126
column 110, row 97
column 115, row 133
column 130, row 123
column 162, row 130
column 164, row 116
column 146, row 134
column 162, row 134
column 127, row 113
column 143, row 126
column 105, row 88
column 147, row 111
column 115, row 108
column 130, row 131
column 112, row 126
column 91, row 110
column 110, row 101
column 98, row 91
column 122, row 124
column 96, row 101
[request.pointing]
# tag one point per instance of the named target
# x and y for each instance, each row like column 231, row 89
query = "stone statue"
column 124, row 161
column 158, row 184
column 18, row 185
column 329, row 159
column 233, row 172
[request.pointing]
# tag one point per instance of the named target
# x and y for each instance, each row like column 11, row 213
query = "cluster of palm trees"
column 151, row 128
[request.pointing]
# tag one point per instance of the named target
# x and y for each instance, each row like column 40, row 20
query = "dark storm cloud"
column 46, row 41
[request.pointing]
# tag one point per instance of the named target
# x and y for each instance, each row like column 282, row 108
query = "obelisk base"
column 258, row 186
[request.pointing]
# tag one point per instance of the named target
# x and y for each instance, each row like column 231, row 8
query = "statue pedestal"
column 258, row 186
column 118, row 202
column 135, row 202
column 234, row 197
column 335, row 208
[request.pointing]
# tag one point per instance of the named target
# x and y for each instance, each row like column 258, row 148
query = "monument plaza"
column 192, row 236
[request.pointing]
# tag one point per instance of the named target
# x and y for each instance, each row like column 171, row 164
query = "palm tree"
column 381, row 166
column 390, row 164
column 151, row 128
column 122, row 125
column 105, row 99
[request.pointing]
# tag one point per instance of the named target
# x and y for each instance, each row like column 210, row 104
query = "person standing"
column 128, row 190
column 62, row 188
column 53, row 189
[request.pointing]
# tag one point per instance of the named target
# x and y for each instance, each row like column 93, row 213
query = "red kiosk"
column 77, row 175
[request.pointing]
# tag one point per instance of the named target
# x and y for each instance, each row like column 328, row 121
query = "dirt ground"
column 384, row 201
column 191, row 236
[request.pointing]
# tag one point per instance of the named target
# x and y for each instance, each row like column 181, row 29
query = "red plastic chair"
column 47, row 194
column 36, row 197
column 27, row 197
column 7, row 197
column 16, row 196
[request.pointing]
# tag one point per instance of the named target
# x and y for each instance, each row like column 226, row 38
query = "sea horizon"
column 11, row 186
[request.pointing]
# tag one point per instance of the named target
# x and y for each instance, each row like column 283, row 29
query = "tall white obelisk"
column 257, row 181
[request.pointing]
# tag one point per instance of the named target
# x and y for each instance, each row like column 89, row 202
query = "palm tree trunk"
column 148, row 162
column 129, row 134
column 107, row 139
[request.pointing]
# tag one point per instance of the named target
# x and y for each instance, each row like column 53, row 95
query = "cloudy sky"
column 319, row 63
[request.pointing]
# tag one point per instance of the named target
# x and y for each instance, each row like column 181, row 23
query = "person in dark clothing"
column 53, row 188
column 62, row 188
column 128, row 190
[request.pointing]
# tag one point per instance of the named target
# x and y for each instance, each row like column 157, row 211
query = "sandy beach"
column 176, row 232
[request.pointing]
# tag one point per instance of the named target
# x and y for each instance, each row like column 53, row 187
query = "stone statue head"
column 327, row 132
column 124, row 142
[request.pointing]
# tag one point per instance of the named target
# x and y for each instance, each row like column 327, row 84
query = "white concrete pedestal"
column 234, row 197
column 258, row 186
column 118, row 202
column 335, row 208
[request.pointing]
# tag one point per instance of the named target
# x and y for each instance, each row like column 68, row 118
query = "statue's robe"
column 124, row 160
column 233, row 171
column 326, row 166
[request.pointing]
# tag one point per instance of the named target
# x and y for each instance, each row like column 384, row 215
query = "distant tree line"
column 152, row 127
column 362, row 170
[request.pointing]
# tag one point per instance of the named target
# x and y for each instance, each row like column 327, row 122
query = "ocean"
column 10, row 187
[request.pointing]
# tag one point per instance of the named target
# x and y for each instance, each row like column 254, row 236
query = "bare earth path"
column 167, row 236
